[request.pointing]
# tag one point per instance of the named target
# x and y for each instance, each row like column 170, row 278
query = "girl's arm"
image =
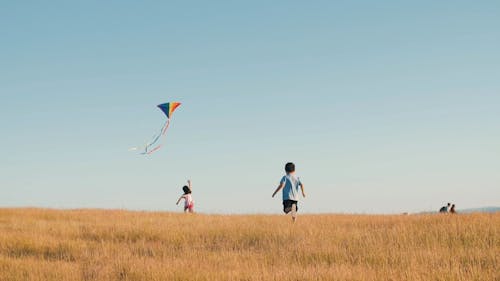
column 179, row 200
column 278, row 189
column 189, row 185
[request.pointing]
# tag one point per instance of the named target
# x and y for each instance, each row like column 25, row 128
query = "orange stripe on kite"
column 173, row 107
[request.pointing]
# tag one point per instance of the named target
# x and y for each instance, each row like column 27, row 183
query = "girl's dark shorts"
column 287, row 206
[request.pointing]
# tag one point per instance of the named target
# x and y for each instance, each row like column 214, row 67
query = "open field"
column 70, row 245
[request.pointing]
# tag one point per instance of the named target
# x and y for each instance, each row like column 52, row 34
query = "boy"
column 290, row 184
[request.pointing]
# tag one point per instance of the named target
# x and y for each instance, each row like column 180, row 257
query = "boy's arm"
column 302, row 188
column 278, row 189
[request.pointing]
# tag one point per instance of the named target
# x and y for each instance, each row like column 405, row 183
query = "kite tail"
column 154, row 149
column 164, row 130
column 153, row 141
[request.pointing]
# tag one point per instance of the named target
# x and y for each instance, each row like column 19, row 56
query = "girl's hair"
column 289, row 167
column 186, row 189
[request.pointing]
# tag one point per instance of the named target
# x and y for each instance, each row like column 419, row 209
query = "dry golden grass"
column 121, row 245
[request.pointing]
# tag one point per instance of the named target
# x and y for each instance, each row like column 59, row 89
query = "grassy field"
column 70, row 245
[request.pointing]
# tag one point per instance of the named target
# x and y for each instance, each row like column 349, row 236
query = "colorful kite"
column 167, row 108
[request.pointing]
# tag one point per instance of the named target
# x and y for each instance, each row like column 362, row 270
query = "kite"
column 167, row 108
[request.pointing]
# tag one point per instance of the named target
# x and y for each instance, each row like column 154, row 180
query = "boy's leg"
column 294, row 212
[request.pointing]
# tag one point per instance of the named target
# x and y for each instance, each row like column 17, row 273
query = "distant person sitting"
column 452, row 210
column 444, row 209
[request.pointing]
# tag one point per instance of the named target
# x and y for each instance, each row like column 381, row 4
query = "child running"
column 290, row 184
column 188, row 199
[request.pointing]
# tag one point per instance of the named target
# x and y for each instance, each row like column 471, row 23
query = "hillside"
column 122, row 245
column 481, row 210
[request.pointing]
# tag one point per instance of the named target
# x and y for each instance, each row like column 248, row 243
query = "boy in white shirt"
column 290, row 184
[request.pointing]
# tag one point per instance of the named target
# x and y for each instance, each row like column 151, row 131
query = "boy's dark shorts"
column 287, row 206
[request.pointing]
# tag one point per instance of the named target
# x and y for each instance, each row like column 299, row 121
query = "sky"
column 384, row 106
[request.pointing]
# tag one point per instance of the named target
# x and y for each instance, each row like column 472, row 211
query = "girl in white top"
column 188, row 199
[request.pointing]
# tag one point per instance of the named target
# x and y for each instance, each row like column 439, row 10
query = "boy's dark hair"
column 186, row 189
column 290, row 167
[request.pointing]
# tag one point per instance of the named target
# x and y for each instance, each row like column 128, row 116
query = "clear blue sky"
column 384, row 106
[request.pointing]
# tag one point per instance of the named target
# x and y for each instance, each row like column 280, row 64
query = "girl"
column 188, row 199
